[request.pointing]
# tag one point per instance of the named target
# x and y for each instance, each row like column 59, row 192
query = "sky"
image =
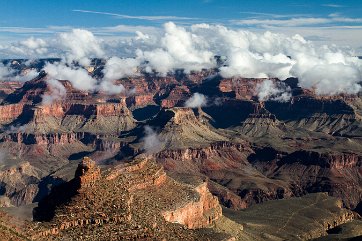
column 331, row 22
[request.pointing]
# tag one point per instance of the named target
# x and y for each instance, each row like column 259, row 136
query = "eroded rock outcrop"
column 181, row 128
column 199, row 214
column 87, row 173
column 18, row 182
column 116, row 201
column 10, row 112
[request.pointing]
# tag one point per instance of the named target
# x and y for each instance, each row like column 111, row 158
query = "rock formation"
column 136, row 200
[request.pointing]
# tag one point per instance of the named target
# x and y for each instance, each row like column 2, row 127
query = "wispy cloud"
column 124, row 16
column 292, row 22
column 11, row 29
column 274, row 15
column 295, row 22
column 331, row 5
column 50, row 30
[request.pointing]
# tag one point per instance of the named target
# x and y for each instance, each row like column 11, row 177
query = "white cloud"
column 252, row 65
column 80, row 45
column 28, row 48
column 327, row 71
column 5, row 72
column 276, row 55
column 141, row 36
column 331, row 5
column 57, row 92
column 117, row 68
column 26, row 76
column 179, row 49
column 36, row 45
column 79, row 77
column 331, row 79
column 196, row 100
column 151, row 141
column 268, row 90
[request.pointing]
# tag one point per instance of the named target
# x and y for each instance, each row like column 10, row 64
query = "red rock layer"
column 176, row 97
column 10, row 112
column 244, row 88
column 196, row 214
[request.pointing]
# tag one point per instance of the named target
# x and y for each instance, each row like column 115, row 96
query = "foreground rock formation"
column 138, row 200
column 131, row 201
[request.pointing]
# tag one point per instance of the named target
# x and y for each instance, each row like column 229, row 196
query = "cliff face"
column 44, row 139
column 222, row 162
column 59, row 109
column 181, row 128
column 198, row 214
column 8, row 87
column 176, row 97
column 19, row 183
column 261, row 123
column 244, row 88
column 10, row 112
column 305, row 105
column 303, row 218
column 309, row 171
column 243, row 175
column 335, row 161
column 102, row 118
column 245, row 151
column 140, row 100
column 209, row 152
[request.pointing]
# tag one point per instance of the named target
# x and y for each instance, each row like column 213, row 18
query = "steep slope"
column 328, row 115
column 261, row 123
column 236, row 182
column 181, row 128
column 339, row 174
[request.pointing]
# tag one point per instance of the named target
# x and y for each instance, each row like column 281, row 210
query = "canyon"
column 142, row 165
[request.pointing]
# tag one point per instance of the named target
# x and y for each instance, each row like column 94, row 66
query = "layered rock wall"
column 196, row 214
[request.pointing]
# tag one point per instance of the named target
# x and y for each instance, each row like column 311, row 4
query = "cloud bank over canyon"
column 328, row 70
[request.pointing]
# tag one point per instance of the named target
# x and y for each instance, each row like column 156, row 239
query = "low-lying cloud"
column 117, row 68
column 57, row 92
column 26, row 76
column 269, row 90
column 196, row 100
column 151, row 141
column 5, row 72
column 328, row 70
column 78, row 76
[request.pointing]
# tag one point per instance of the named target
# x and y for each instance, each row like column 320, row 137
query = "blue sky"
column 326, row 21
column 42, row 13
